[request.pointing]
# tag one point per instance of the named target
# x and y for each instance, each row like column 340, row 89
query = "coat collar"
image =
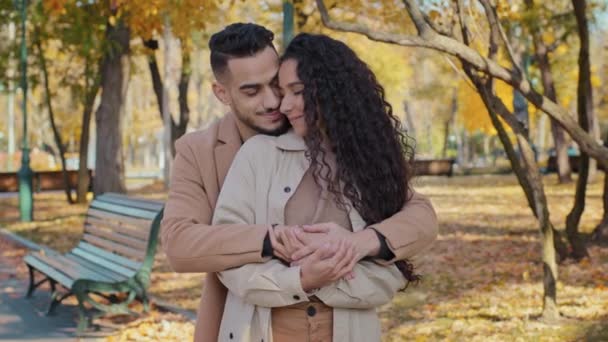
column 228, row 132
column 290, row 142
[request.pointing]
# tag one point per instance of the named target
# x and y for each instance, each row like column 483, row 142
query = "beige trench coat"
column 264, row 175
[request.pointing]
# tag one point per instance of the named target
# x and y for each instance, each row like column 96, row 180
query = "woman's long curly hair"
column 346, row 111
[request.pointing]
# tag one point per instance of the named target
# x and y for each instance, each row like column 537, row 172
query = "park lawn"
column 481, row 279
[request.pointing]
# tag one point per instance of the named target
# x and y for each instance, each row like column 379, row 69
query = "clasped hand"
column 325, row 252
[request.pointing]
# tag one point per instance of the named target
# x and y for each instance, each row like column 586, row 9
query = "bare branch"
column 496, row 28
column 561, row 39
column 399, row 39
column 463, row 25
column 459, row 72
column 427, row 38
column 485, row 87
column 424, row 29
column 436, row 27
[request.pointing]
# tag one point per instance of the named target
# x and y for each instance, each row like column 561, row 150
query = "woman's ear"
column 221, row 93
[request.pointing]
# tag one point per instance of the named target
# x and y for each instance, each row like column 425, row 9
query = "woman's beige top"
column 263, row 177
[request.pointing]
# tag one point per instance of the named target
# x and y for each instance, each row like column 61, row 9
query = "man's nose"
column 271, row 100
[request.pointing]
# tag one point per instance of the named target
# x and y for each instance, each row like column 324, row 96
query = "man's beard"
column 261, row 130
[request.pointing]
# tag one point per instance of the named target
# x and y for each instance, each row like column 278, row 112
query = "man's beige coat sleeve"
column 411, row 230
column 189, row 241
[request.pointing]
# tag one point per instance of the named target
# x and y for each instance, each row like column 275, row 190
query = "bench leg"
column 56, row 299
column 83, row 320
column 53, row 285
column 112, row 298
column 33, row 284
column 145, row 300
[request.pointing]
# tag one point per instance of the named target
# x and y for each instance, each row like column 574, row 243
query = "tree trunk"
column 530, row 179
column 584, row 109
column 448, row 124
column 49, row 104
column 177, row 129
column 83, row 153
column 411, row 128
column 109, row 163
column 528, row 173
column 600, row 233
column 564, row 171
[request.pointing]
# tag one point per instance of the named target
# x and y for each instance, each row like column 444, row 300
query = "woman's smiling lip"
column 295, row 118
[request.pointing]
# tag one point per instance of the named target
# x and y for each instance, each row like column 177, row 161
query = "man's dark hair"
column 235, row 41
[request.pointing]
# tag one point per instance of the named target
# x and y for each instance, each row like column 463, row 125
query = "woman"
column 345, row 155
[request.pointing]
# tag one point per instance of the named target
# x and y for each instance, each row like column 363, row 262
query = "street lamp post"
column 287, row 22
column 25, row 173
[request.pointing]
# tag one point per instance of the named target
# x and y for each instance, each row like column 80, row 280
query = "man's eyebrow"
column 295, row 83
column 250, row 86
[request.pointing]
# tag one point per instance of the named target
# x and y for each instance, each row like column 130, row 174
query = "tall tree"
column 525, row 167
column 177, row 129
column 585, row 115
column 109, row 164
column 541, row 52
column 78, row 28
column 56, row 133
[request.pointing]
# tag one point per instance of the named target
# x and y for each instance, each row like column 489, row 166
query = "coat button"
column 287, row 189
column 231, row 336
column 296, row 297
column 311, row 311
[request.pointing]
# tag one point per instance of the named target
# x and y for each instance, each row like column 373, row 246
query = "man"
column 245, row 65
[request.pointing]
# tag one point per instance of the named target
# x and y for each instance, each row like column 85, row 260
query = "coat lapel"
column 229, row 143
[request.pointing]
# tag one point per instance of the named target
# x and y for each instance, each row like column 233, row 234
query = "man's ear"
column 221, row 93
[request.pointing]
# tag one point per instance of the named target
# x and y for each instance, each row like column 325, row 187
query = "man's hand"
column 328, row 264
column 285, row 242
column 315, row 236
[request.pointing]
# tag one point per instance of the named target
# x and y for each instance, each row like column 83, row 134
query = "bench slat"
column 131, row 198
column 96, row 267
column 127, row 211
column 114, row 258
column 50, row 272
column 71, row 269
column 124, row 271
column 133, row 231
column 116, row 237
column 82, row 270
column 130, row 202
column 114, row 247
column 104, row 215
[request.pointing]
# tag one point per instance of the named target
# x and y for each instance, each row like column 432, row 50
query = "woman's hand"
column 284, row 241
column 328, row 264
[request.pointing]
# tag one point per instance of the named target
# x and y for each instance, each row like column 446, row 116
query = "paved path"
column 24, row 319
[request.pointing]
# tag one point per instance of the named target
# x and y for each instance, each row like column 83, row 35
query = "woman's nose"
column 285, row 105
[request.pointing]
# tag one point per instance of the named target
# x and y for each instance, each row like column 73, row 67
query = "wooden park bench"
column 113, row 259
column 434, row 167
